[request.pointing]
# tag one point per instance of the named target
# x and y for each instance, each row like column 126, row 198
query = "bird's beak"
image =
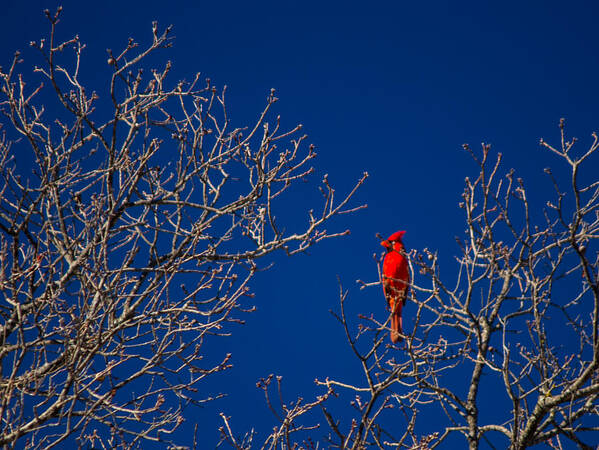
column 386, row 244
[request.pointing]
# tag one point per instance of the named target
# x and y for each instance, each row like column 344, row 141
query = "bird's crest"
column 396, row 236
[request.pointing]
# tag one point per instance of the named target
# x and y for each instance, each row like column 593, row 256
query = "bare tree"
column 504, row 348
column 128, row 248
column 517, row 324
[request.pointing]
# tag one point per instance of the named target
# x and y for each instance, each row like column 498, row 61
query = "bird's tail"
column 396, row 330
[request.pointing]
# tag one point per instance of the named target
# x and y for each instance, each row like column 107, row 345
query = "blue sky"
column 391, row 88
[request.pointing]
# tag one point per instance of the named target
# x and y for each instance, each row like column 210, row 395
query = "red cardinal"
column 396, row 279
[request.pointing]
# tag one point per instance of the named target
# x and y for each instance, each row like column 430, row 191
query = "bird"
column 396, row 279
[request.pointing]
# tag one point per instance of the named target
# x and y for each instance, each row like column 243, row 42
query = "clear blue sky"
column 392, row 88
